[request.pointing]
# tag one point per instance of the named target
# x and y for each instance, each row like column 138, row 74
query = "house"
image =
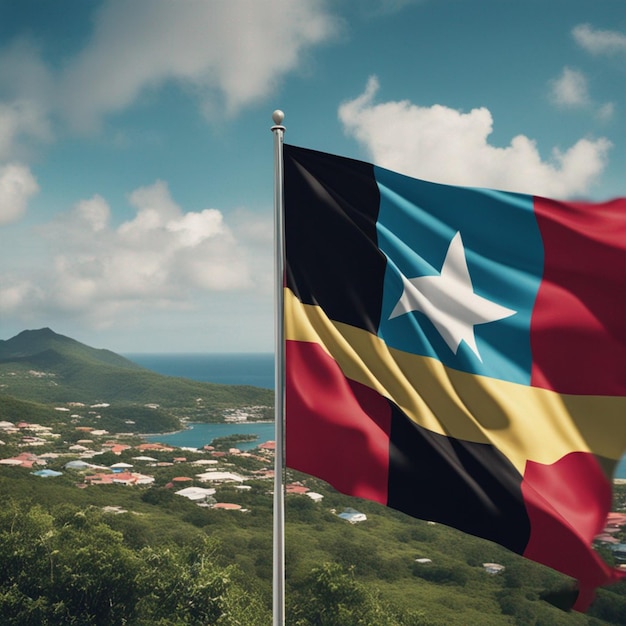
column 47, row 473
column 120, row 467
column 77, row 465
column 182, row 479
column 353, row 516
column 196, row 494
column 118, row 448
column 219, row 477
column 619, row 552
column 123, row 478
column 227, row 506
column 156, row 447
column 126, row 478
column 616, row 520
column 296, row 488
column 24, row 459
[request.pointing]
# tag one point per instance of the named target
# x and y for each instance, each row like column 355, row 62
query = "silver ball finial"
column 278, row 116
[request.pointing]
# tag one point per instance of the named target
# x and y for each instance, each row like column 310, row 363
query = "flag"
column 458, row 354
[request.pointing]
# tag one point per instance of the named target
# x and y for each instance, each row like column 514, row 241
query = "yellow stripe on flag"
column 523, row 422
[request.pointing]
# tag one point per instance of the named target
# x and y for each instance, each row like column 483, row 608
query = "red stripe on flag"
column 563, row 522
column 336, row 429
column 578, row 327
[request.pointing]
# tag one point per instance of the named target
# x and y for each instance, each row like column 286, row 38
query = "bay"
column 197, row 435
column 256, row 369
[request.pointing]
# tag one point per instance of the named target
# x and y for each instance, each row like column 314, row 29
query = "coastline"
column 199, row 434
column 191, row 425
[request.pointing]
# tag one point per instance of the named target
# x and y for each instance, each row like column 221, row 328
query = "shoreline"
column 190, row 427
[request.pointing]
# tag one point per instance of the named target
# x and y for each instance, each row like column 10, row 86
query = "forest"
column 115, row 555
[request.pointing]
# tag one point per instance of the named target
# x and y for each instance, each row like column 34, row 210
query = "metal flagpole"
column 278, row 609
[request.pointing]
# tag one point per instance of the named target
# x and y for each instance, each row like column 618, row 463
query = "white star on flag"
column 449, row 301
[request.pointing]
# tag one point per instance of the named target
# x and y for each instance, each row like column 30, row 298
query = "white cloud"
column 599, row 42
column 162, row 258
column 25, row 87
column 606, row 111
column 17, row 186
column 570, row 89
column 232, row 53
column 92, row 214
column 18, row 295
column 21, row 121
column 23, row 71
column 378, row 8
column 448, row 146
column 228, row 54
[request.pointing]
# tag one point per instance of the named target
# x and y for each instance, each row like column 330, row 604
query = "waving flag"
column 458, row 354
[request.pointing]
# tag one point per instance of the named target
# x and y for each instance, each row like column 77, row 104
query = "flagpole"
column 278, row 609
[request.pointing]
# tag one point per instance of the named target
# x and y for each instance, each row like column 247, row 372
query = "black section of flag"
column 469, row 486
column 333, row 259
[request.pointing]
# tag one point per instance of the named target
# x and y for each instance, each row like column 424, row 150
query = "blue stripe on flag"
column 504, row 254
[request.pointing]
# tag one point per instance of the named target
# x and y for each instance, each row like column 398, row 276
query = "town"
column 143, row 462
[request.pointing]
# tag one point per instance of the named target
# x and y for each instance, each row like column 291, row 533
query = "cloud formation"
column 445, row 145
column 599, row 42
column 570, row 89
column 228, row 53
column 162, row 258
column 17, row 186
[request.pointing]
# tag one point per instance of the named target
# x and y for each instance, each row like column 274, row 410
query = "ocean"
column 227, row 369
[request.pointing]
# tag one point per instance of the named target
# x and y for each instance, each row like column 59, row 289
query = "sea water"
column 198, row 435
column 227, row 369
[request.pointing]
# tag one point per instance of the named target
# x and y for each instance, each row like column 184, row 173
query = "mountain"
column 43, row 366
column 32, row 342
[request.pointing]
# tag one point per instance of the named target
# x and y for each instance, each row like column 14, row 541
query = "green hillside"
column 13, row 410
column 42, row 366
column 29, row 343
column 114, row 555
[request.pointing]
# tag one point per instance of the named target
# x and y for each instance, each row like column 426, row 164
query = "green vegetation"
column 67, row 565
column 160, row 559
column 41, row 370
column 223, row 443
column 12, row 409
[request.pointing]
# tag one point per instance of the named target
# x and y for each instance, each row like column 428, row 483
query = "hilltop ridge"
column 43, row 366
column 29, row 343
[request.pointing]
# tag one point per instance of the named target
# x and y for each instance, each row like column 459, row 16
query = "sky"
column 136, row 157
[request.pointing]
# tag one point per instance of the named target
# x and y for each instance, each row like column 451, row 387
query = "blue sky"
column 136, row 160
